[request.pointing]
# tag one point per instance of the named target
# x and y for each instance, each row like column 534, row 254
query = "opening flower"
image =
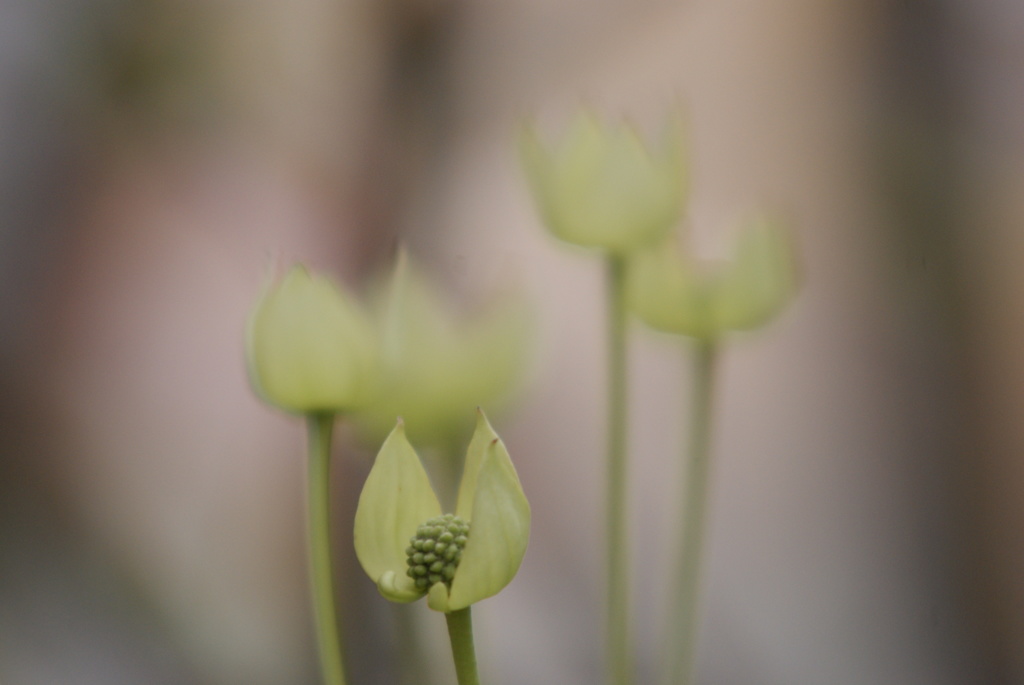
column 437, row 367
column 673, row 293
column 410, row 549
column 310, row 348
column 603, row 187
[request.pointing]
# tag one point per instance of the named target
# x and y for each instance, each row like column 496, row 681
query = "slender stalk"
column 619, row 657
column 321, row 576
column 680, row 650
column 460, row 630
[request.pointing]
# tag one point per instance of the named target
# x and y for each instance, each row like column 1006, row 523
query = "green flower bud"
column 410, row 550
column 310, row 348
column 602, row 187
column 434, row 538
column 672, row 293
column 437, row 368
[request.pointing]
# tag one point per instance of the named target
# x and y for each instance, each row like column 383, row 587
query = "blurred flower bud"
column 436, row 369
column 602, row 187
column 672, row 293
column 310, row 348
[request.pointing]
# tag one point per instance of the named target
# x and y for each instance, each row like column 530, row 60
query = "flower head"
column 410, row 549
column 309, row 347
column 603, row 187
column 435, row 368
column 672, row 293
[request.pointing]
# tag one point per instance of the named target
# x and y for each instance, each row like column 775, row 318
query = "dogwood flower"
column 436, row 368
column 673, row 293
column 409, row 549
column 603, row 187
column 310, row 349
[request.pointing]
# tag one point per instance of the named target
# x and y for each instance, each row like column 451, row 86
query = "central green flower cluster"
column 436, row 549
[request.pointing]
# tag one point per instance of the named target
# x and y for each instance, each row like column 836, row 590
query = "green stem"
column 460, row 630
column 619, row 661
column 682, row 634
column 328, row 638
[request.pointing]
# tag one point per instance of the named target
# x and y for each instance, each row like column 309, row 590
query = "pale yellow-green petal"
column 584, row 143
column 309, row 346
column 416, row 334
column 398, row 587
column 761, row 280
column 610, row 191
column 483, row 437
column 642, row 194
column 577, row 165
column 673, row 293
column 603, row 187
column 499, row 531
column 670, row 293
column 437, row 598
column 438, row 367
column 395, row 500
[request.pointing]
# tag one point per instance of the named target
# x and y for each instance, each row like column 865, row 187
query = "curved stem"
column 460, row 631
column 682, row 634
column 321, row 576
column 619, row 660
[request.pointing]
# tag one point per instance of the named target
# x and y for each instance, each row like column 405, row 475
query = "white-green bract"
column 602, row 186
column 672, row 292
column 310, row 348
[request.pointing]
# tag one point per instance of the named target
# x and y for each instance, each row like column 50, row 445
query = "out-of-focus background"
column 867, row 521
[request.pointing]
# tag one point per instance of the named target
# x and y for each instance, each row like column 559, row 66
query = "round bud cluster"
column 436, row 549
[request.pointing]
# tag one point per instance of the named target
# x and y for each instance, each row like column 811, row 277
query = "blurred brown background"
column 156, row 156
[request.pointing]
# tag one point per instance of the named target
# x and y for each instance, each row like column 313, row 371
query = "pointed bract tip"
column 438, row 598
